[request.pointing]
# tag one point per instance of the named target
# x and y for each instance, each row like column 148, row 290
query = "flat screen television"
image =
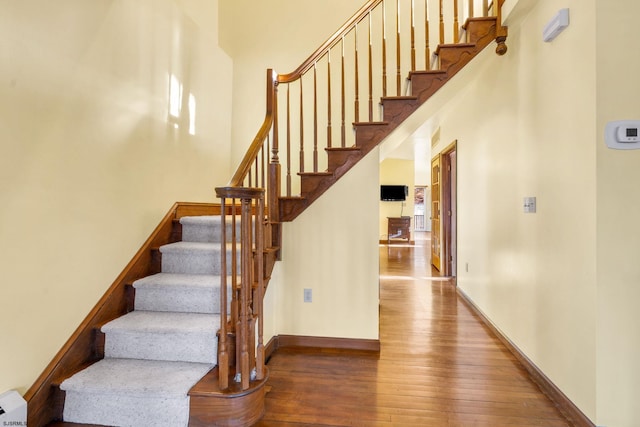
column 394, row 193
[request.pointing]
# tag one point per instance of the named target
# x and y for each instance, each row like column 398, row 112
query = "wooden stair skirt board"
column 566, row 406
column 451, row 59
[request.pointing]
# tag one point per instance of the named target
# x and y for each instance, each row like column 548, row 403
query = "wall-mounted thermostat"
column 623, row 134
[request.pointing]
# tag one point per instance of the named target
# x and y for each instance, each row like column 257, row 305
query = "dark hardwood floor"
column 438, row 365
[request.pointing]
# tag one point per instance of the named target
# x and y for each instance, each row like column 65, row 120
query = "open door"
column 444, row 211
column 448, row 206
column 435, row 212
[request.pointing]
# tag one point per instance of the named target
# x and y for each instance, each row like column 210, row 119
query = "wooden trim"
column 325, row 343
column 233, row 407
column 239, row 192
column 197, row 209
column 564, row 404
column 392, row 242
column 446, row 203
column 44, row 398
column 270, row 348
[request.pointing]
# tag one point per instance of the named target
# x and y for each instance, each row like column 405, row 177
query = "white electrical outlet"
column 308, row 295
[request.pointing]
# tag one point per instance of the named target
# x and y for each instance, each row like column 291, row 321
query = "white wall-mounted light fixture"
column 557, row 24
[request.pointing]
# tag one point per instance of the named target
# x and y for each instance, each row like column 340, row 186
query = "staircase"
column 155, row 354
column 451, row 58
column 177, row 339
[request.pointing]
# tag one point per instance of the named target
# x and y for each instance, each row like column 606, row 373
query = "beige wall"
column 277, row 34
column 336, row 254
column 332, row 249
column 525, row 127
column 89, row 162
column 618, row 228
column 396, row 172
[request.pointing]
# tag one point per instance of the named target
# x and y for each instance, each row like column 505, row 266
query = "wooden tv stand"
column 399, row 228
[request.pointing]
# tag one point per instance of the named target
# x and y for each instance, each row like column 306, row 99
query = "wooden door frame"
column 447, row 214
column 436, row 210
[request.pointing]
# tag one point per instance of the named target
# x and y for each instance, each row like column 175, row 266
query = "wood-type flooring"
column 438, row 365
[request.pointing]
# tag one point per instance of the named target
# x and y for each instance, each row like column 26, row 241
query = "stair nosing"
column 399, row 98
column 124, row 323
column 292, row 198
column 179, row 280
column 318, row 174
column 134, row 388
column 458, row 45
column 345, row 149
column 369, row 123
column 427, row 72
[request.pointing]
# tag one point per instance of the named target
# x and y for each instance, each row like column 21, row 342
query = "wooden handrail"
column 329, row 43
column 257, row 144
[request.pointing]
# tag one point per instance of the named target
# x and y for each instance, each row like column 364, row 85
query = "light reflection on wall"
column 192, row 114
column 176, row 98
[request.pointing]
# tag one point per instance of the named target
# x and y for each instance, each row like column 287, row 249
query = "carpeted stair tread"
column 123, row 392
column 153, row 321
column 192, row 258
column 192, row 293
column 153, row 335
column 138, row 377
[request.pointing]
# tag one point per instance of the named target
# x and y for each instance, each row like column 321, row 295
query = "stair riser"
column 208, row 233
column 188, row 262
column 179, row 300
column 126, row 410
column 200, row 347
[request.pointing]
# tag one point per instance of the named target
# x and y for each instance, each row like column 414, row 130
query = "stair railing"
column 240, row 343
column 311, row 108
column 368, row 58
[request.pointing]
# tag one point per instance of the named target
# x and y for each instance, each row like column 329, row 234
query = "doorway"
column 444, row 214
column 421, row 208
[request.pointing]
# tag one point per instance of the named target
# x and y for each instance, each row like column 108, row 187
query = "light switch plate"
column 529, row 205
column 308, row 295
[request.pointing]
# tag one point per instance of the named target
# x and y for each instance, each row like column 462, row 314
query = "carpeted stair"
column 156, row 353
